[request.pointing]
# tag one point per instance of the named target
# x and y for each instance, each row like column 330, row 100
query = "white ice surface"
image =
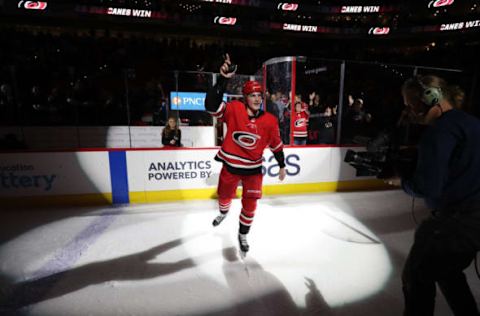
column 318, row 254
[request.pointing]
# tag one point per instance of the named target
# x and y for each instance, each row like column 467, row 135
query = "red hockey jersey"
column 246, row 137
column 300, row 124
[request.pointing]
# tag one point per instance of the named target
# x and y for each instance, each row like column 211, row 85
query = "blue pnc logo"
column 188, row 101
column 191, row 101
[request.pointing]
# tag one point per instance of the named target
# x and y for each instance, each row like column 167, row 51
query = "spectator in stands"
column 298, row 98
column 357, row 122
column 271, row 105
column 314, row 120
column 171, row 134
column 326, row 132
column 285, row 124
column 300, row 125
column 281, row 102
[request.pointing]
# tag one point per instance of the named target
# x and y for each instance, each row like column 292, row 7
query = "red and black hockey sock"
column 244, row 229
column 224, row 205
column 247, row 214
column 246, row 219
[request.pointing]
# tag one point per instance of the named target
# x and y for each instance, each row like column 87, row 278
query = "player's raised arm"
column 214, row 99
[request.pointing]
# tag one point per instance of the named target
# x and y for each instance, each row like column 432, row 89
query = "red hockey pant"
column 252, row 191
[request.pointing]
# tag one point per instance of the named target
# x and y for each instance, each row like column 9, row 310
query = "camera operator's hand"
column 394, row 181
column 224, row 68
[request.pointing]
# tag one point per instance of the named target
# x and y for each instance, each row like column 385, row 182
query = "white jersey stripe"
column 219, row 111
column 239, row 166
column 246, row 160
column 278, row 146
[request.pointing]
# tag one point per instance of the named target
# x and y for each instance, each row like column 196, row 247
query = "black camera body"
column 383, row 159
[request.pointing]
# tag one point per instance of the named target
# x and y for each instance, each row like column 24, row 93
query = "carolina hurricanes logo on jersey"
column 246, row 139
column 300, row 122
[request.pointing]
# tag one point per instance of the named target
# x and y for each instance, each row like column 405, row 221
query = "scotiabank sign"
column 32, row 5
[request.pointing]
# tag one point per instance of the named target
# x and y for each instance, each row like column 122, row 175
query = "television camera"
column 384, row 158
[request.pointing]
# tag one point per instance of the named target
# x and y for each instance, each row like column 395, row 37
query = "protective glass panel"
column 317, row 93
column 372, row 100
column 187, row 98
column 278, row 90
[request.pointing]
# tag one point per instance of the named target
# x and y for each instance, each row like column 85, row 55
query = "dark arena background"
column 99, row 217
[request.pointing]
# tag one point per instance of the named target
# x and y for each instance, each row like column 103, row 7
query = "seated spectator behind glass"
column 300, row 125
column 171, row 134
column 272, row 105
column 357, row 122
column 326, row 132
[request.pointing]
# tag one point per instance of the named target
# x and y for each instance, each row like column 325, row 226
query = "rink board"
column 59, row 178
column 152, row 175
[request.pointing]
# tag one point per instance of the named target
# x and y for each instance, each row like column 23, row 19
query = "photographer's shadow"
column 251, row 289
column 131, row 267
column 315, row 304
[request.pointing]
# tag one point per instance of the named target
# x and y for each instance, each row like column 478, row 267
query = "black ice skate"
column 242, row 241
column 219, row 219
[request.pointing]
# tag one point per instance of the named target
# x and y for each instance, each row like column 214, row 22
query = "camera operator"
column 447, row 177
column 249, row 131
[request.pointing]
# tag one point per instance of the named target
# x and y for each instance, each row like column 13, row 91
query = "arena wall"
column 116, row 176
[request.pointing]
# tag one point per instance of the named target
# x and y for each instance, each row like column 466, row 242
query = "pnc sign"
column 188, row 101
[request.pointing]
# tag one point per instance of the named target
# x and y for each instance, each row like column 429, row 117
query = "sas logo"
column 271, row 168
column 439, row 3
column 288, row 6
column 32, row 5
column 225, row 20
column 379, row 30
column 245, row 139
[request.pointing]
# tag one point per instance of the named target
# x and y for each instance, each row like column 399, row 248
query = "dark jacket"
column 448, row 168
column 168, row 135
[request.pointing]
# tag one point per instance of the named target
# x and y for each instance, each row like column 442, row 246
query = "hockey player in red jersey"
column 249, row 131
